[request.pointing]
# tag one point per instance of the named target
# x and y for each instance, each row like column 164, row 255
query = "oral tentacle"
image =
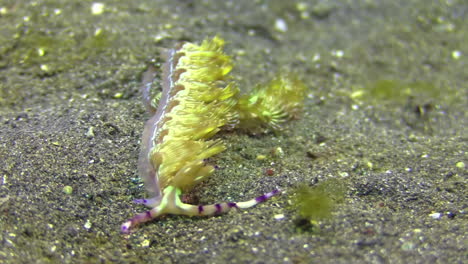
column 172, row 204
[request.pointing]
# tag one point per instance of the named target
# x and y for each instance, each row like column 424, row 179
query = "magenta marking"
column 140, row 201
column 276, row 191
column 218, row 208
column 261, row 198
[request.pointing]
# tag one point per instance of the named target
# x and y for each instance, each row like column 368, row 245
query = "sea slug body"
column 197, row 102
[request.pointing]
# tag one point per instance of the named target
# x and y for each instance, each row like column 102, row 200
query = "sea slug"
column 198, row 101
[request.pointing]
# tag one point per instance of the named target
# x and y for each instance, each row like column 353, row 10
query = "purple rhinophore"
column 200, row 209
column 218, row 208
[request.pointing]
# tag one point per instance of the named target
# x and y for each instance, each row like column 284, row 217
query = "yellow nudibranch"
column 198, row 100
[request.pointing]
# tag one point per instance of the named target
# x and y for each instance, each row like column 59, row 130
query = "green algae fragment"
column 55, row 52
column 388, row 89
column 67, row 189
column 317, row 202
column 40, row 48
column 399, row 91
column 271, row 104
column 100, row 40
column 460, row 165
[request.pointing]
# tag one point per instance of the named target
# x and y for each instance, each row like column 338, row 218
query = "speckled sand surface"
column 386, row 114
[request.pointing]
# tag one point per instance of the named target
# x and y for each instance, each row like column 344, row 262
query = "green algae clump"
column 272, row 104
column 318, row 202
column 399, row 91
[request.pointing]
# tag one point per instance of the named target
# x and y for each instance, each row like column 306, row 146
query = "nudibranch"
column 197, row 101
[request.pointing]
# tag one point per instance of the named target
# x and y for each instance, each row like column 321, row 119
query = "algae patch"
column 396, row 91
column 52, row 53
column 318, row 202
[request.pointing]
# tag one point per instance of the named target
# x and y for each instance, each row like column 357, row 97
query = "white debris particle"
column 40, row 52
column 435, row 215
column 146, row 243
column 97, row 8
column 3, row 10
column 88, row 224
column 90, row 132
column 280, row 25
column 316, row 57
column 9, row 242
column 456, row 54
column 98, row 32
column 44, row 67
column 344, row 174
column 279, row 216
column 4, row 181
column 337, row 53
column 301, row 6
